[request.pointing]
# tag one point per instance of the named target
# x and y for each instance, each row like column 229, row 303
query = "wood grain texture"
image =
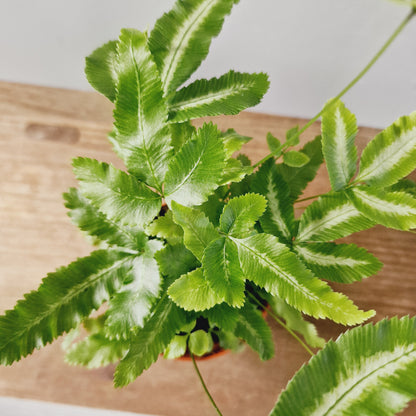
column 41, row 129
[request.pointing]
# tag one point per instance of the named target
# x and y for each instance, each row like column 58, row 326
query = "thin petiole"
column 281, row 323
column 355, row 80
column 204, row 385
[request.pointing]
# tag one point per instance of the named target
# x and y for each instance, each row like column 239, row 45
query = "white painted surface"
column 18, row 407
column 310, row 48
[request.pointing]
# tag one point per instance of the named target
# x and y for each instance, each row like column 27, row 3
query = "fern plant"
column 193, row 242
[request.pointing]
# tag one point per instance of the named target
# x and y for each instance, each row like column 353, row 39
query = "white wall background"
column 310, row 48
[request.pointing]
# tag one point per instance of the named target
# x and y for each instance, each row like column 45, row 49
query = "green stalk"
column 281, row 323
column 354, row 81
column 204, row 385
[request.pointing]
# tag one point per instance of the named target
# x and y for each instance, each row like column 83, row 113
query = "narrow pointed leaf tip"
column 391, row 155
column 229, row 94
column 181, row 38
column 339, row 128
column 367, row 370
column 63, row 299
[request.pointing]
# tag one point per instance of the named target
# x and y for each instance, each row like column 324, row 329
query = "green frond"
column 234, row 171
column 391, row 155
column 223, row 316
column 174, row 261
column 181, row 133
column 272, row 266
column 132, row 304
column 279, row 218
column 391, row 209
column 229, row 94
column 62, row 300
column 120, row 196
column 339, row 128
column 101, row 69
column 253, row 329
column 241, row 213
column 233, row 142
column 342, row 263
column 150, row 341
column 192, row 292
column 181, row 38
column 96, row 351
column 296, row 322
column 223, row 273
column 197, row 169
column 331, row 217
column 369, row 370
column 198, row 231
column 141, row 137
column 298, row 178
column 165, row 228
column 93, row 222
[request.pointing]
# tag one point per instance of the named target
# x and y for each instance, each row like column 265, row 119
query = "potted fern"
column 194, row 243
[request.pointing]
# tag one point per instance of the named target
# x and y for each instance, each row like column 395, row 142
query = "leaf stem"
column 281, row 323
column 204, row 385
column 354, row 81
column 309, row 197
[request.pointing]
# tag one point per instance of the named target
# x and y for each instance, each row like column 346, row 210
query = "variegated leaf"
column 391, row 209
column 369, row 370
column 339, row 128
column 391, row 155
column 141, row 137
column 181, row 38
column 331, row 217
column 229, row 94
column 343, row 263
column 272, row 266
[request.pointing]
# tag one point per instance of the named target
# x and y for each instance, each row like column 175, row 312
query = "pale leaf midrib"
column 168, row 73
column 64, row 300
column 328, row 412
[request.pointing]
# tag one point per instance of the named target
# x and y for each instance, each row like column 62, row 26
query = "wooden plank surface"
column 41, row 129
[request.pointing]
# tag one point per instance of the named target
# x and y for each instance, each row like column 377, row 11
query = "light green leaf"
column 272, row 266
column 121, row 197
column 229, row 94
column 279, row 218
column 234, row 171
column 241, row 213
column 101, row 69
column 164, row 227
column 295, row 321
column 150, row 341
column 223, row 273
column 331, row 217
column 274, row 144
column 132, row 304
column 197, row 169
column 292, row 136
column 368, row 370
column 233, row 142
column 93, row 222
column 181, row 133
column 181, row 38
column 141, row 137
column 176, row 348
column 253, row 329
column 298, row 178
column 343, row 263
column 391, row 209
column 96, row 351
column 295, row 159
column 339, row 128
column 391, row 155
column 193, row 293
column 174, row 261
column 63, row 299
column 200, row 343
column 198, row 231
